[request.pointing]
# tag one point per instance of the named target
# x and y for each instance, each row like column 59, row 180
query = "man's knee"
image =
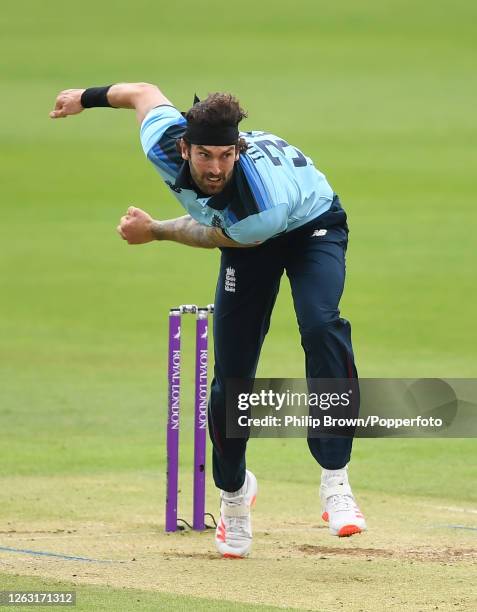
column 322, row 328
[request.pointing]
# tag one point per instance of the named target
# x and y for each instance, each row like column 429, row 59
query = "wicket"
column 200, row 414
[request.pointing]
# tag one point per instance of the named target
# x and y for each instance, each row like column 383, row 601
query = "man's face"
column 211, row 167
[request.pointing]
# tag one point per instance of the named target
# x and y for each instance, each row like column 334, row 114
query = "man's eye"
column 202, row 154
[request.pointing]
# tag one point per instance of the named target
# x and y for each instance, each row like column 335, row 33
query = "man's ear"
column 237, row 153
column 185, row 152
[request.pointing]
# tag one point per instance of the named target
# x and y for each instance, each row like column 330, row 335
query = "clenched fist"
column 136, row 226
column 68, row 102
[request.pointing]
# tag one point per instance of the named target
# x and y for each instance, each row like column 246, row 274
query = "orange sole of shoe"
column 348, row 530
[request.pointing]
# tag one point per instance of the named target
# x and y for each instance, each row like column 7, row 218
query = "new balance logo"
column 204, row 335
column 178, row 335
column 230, row 280
column 319, row 233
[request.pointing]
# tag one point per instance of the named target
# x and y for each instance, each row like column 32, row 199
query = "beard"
column 210, row 184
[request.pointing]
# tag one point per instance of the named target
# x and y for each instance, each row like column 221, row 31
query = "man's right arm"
column 138, row 227
column 142, row 97
column 186, row 230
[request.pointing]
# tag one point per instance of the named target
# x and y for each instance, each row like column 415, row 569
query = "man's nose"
column 214, row 167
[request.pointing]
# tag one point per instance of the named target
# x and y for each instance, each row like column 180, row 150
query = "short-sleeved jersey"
column 275, row 188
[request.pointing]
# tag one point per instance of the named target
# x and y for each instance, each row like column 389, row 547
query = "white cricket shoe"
column 338, row 506
column 233, row 536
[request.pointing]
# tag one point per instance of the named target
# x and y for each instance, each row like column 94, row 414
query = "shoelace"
column 237, row 525
column 341, row 502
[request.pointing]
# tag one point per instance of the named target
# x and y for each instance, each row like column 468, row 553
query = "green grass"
column 379, row 94
column 107, row 598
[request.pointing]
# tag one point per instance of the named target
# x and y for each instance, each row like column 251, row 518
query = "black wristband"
column 95, row 96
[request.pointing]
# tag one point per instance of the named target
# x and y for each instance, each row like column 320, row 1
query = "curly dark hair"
column 218, row 109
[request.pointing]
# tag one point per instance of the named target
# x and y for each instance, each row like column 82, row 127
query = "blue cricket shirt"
column 275, row 187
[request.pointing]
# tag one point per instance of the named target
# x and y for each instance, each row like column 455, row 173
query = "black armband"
column 95, row 96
